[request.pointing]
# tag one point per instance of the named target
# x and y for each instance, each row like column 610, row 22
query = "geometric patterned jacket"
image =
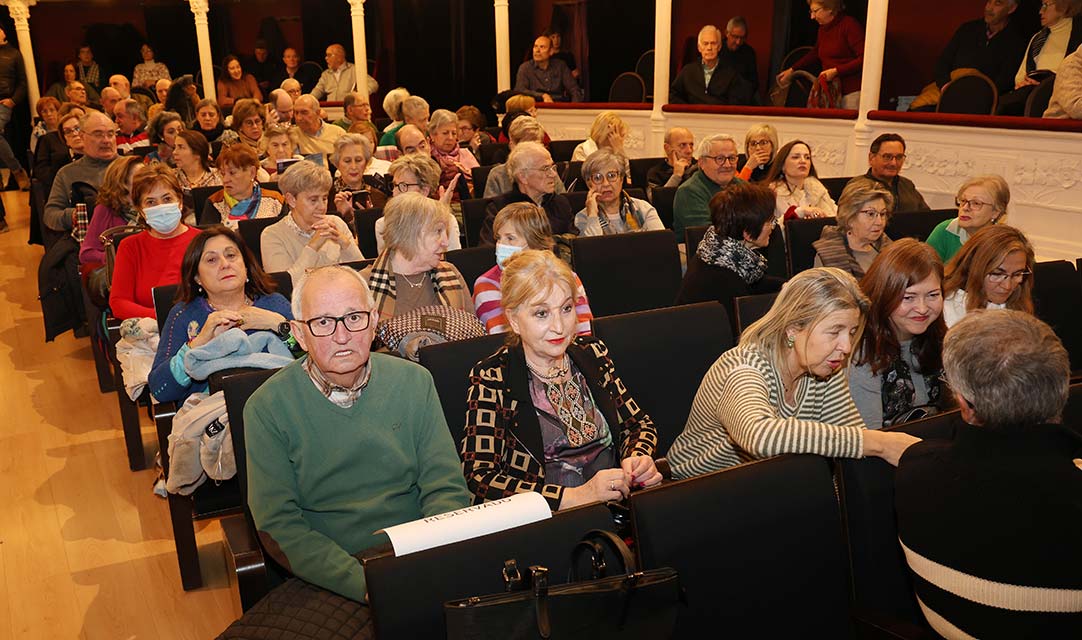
column 502, row 452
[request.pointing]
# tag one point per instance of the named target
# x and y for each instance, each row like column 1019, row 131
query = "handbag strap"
column 539, row 577
column 594, row 542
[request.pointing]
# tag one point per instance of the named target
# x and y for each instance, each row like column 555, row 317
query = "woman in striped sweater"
column 783, row 388
column 518, row 226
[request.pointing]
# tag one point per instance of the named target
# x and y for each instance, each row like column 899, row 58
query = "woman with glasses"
column 59, row 147
column 548, row 412
column 417, row 173
column 222, row 287
column 796, row 185
column 609, row 210
column 993, row 270
column 894, row 375
column 241, row 197
column 982, row 201
column 248, row 122
column 838, row 50
column 863, row 212
column 727, row 263
column 760, row 145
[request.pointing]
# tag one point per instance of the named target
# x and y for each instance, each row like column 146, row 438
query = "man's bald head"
column 121, row 84
column 411, row 139
column 306, row 113
column 335, row 56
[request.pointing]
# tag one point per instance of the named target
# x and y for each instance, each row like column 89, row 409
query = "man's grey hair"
column 707, row 29
column 704, row 145
column 302, row 176
column 133, row 109
column 298, row 287
column 1009, row 366
column 422, row 166
column 736, row 21
column 351, row 138
column 674, row 130
column 439, row 118
column 90, row 113
column 290, row 82
column 520, row 155
column 309, row 100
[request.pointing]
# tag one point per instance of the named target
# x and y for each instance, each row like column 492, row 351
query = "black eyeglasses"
column 324, row 326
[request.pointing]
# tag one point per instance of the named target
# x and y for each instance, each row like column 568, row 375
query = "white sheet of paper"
column 471, row 522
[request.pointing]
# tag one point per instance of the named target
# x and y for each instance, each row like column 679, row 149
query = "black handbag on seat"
column 631, row 604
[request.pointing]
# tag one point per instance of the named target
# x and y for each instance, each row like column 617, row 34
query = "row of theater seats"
column 793, row 545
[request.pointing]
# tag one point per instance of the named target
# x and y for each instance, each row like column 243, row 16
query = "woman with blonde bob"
column 982, row 201
column 607, row 132
column 410, row 272
column 519, row 226
column 760, row 146
column 548, row 412
column 993, row 270
column 782, row 390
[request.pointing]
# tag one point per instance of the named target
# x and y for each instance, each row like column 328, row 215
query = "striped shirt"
column 738, row 415
column 487, row 300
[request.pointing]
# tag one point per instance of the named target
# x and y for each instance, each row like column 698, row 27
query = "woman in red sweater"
column 150, row 258
column 838, row 50
column 235, row 84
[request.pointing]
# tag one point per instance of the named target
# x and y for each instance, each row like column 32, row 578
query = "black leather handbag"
column 631, row 604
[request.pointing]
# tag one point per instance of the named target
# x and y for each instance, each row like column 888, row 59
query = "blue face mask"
column 163, row 218
column 505, row 251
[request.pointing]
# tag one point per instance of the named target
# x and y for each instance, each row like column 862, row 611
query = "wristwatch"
column 284, row 331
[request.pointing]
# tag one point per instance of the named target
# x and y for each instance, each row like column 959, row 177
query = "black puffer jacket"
column 12, row 74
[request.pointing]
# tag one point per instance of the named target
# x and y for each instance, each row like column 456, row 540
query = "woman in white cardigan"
column 793, row 179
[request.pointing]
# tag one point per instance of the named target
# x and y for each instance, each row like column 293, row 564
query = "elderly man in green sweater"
column 717, row 158
column 344, row 442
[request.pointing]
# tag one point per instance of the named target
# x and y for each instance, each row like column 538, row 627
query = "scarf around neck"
column 734, row 255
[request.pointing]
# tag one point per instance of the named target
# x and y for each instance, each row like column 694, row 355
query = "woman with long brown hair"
column 894, row 375
column 993, row 270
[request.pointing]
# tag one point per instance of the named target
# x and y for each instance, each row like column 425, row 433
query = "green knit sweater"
column 322, row 479
column 691, row 206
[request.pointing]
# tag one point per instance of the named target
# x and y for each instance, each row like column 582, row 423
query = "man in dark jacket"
column 531, row 167
column 708, row 82
column 12, row 92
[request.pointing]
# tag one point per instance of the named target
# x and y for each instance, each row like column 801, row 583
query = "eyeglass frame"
column 403, row 187
column 873, row 214
column 548, row 168
column 100, row 135
column 972, row 204
column 733, row 159
column 609, row 176
column 338, row 319
column 999, row 278
column 890, row 157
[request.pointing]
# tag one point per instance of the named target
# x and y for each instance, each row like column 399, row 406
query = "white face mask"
column 163, row 218
column 505, row 251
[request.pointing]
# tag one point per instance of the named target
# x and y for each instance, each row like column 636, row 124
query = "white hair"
column 706, row 29
column 298, row 288
column 705, row 144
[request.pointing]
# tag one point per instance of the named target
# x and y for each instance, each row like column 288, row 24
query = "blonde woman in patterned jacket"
column 547, row 412
column 784, row 388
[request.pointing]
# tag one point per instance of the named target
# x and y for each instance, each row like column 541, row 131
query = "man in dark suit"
column 708, row 82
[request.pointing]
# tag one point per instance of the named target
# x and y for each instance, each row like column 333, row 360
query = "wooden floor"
column 85, row 547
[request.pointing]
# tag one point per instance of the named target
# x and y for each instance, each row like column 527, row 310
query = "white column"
column 20, row 13
column 503, row 46
column 202, row 37
column 360, row 49
column 662, row 53
column 875, row 37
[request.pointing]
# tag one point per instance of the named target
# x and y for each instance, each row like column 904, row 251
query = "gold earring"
column 789, row 341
